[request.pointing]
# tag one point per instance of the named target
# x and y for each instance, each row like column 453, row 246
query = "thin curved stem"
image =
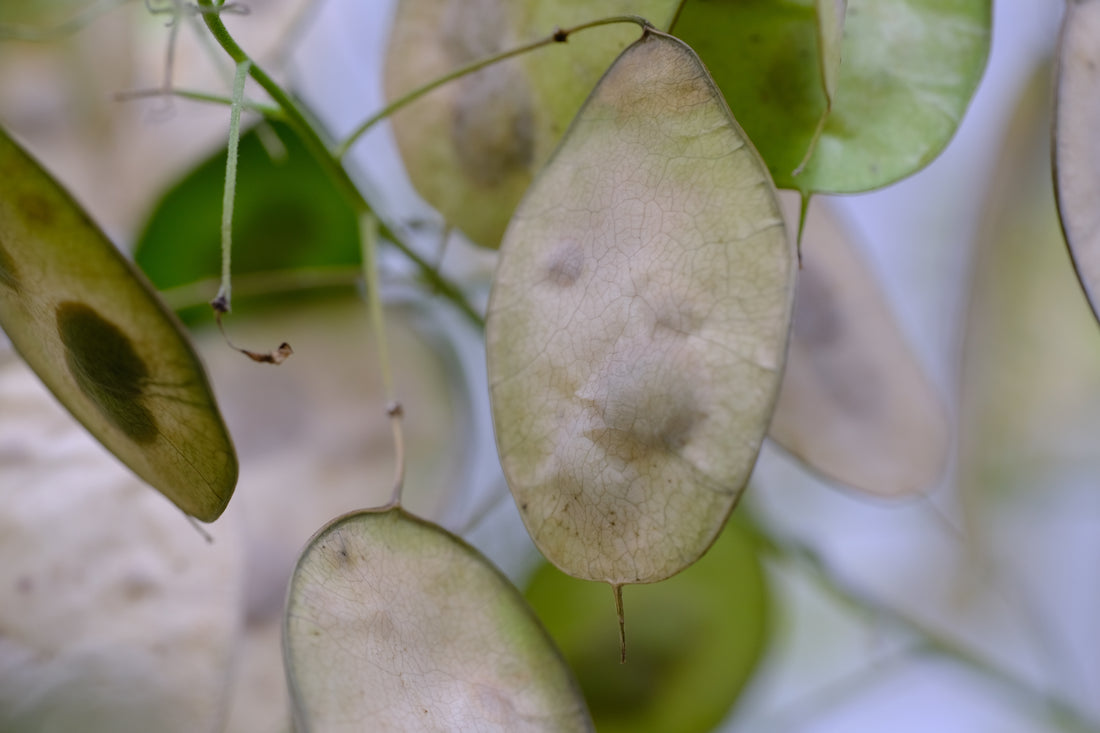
column 1049, row 647
column 369, row 242
column 1060, row 713
column 799, row 714
column 269, row 111
column 560, row 35
column 496, row 496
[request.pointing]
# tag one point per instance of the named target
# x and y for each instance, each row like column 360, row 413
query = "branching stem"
column 298, row 121
column 269, row 111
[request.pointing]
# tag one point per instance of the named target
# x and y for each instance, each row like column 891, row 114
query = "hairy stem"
column 224, row 299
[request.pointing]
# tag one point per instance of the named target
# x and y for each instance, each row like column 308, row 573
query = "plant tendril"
column 560, row 35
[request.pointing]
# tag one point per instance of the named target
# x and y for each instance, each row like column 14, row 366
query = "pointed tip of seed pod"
column 617, row 589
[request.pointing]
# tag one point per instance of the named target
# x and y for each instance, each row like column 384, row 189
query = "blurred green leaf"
column 288, row 216
column 693, row 641
column 394, row 624
column 908, row 72
column 95, row 333
column 42, row 13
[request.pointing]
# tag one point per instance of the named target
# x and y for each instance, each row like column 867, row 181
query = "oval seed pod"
column 1077, row 142
column 471, row 147
column 89, row 325
column 638, row 324
column 856, row 405
column 394, row 624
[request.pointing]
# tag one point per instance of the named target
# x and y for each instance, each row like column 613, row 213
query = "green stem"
column 1061, row 713
column 799, row 713
column 297, row 120
column 224, row 299
column 369, row 240
column 269, row 111
column 558, row 36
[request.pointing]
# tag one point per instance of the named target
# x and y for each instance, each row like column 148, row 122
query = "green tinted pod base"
column 394, row 624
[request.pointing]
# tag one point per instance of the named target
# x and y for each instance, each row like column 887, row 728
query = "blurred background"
column 971, row 609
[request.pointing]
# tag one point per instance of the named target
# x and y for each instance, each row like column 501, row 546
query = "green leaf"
column 909, row 70
column 1077, row 143
column 288, row 216
column 830, row 36
column 695, row 640
column 855, row 404
column 393, row 624
column 91, row 328
column 638, row 324
column 472, row 146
